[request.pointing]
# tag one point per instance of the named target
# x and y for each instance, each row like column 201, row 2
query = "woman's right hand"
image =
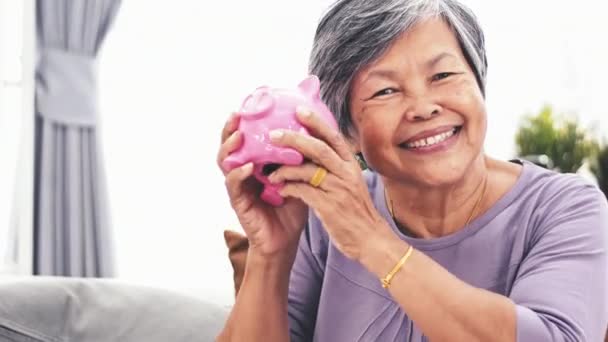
column 272, row 231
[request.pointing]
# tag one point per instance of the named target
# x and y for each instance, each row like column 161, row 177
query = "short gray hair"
column 354, row 33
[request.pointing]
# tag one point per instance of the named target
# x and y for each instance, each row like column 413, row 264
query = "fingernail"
column 276, row 134
column 232, row 117
column 272, row 178
column 247, row 167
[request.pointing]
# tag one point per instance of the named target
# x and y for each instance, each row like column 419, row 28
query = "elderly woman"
column 436, row 241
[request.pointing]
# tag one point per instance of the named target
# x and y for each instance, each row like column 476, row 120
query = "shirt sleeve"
column 560, row 290
column 305, row 282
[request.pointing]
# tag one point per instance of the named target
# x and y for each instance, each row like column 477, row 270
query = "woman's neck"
column 426, row 212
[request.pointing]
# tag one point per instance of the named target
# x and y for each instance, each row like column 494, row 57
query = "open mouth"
column 430, row 141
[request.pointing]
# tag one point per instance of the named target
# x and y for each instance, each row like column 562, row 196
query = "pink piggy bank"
column 265, row 110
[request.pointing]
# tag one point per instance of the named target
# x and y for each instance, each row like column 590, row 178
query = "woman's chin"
column 440, row 176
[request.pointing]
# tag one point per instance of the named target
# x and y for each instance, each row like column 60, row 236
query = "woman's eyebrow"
column 381, row 73
column 433, row 61
column 392, row 74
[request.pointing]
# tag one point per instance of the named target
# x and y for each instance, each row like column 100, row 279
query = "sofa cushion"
column 53, row 309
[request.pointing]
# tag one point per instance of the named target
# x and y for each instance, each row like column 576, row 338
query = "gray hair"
column 354, row 33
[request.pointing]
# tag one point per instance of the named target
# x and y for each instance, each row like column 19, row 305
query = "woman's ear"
column 361, row 160
column 353, row 143
column 355, row 149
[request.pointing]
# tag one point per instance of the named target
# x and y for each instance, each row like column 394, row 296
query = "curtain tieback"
column 66, row 87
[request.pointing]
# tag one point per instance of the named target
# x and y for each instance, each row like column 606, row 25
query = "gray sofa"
column 50, row 309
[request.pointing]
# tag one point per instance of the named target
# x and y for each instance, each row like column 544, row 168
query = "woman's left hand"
column 341, row 201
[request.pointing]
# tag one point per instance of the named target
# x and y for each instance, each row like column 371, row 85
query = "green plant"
column 599, row 167
column 561, row 139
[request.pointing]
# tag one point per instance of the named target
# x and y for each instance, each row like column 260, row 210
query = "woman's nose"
column 423, row 110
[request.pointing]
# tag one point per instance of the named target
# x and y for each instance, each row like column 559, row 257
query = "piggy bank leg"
column 271, row 196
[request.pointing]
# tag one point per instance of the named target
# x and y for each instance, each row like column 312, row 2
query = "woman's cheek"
column 371, row 120
column 462, row 94
column 372, row 135
column 465, row 99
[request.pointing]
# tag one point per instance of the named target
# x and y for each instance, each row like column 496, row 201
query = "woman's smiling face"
column 418, row 112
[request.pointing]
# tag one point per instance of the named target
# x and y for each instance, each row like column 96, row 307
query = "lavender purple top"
column 544, row 245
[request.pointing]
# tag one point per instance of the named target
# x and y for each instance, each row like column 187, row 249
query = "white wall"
column 171, row 75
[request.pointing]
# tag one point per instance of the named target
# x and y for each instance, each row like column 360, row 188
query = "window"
column 16, row 132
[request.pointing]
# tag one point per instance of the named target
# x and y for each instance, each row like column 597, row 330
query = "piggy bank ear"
column 257, row 104
column 310, row 86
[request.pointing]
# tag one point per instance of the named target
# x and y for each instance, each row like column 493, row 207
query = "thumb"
column 235, row 179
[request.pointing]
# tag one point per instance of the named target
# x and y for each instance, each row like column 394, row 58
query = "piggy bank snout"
column 232, row 162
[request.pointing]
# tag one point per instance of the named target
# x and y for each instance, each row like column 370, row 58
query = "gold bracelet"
column 386, row 281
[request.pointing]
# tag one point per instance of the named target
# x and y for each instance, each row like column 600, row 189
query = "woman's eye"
column 384, row 92
column 440, row 76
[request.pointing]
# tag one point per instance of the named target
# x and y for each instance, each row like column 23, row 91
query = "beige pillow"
column 237, row 244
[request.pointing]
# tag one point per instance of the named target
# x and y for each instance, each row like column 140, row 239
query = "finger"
column 304, row 192
column 235, row 180
column 231, row 144
column 322, row 130
column 300, row 173
column 312, row 148
column 230, row 126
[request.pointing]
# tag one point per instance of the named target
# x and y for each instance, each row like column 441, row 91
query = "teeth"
column 436, row 139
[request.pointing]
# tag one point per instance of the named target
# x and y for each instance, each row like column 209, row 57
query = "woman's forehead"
column 426, row 44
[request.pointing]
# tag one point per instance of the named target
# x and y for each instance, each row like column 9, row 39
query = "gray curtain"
column 72, row 235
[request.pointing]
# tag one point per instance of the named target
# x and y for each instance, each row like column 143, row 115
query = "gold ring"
column 318, row 177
